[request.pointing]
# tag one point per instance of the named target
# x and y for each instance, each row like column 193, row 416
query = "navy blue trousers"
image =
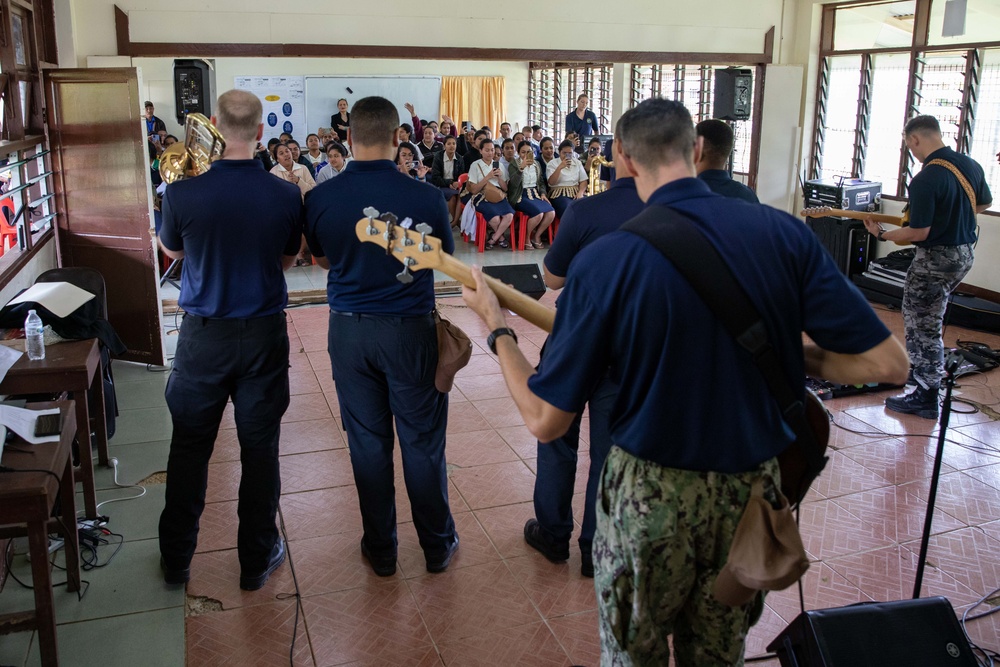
column 556, row 471
column 384, row 369
column 246, row 360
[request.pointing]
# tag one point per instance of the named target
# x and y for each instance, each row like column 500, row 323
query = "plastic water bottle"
column 35, row 343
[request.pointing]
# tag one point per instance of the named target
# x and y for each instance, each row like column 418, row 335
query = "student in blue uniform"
column 693, row 419
column 383, row 341
column 550, row 531
column 713, row 167
column 236, row 227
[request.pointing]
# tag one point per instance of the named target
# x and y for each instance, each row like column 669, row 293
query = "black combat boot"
column 921, row 402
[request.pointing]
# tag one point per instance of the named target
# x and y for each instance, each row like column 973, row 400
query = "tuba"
column 595, row 173
column 202, row 145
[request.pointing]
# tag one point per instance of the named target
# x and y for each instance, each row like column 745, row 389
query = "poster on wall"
column 283, row 98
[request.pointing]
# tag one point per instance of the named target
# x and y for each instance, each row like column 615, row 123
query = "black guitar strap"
column 678, row 239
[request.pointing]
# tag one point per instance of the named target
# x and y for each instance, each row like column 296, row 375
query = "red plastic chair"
column 8, row 233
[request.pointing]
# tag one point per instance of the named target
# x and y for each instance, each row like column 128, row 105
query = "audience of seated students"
column 546, row 153
column 526, row 191
column 713, row 166
column 507, row 153
column 498, row 215
column 446, row 130
column 272, row 146
column 265, row 155
column 567, row 180
column 314, row 151
column 575, row 138
column 341, row 120
column 448, row 165
column 429, row 145
column 472, row 152
column 285, row 137
column 297, row 155
column 405, row 134
column 518, row 138
column 582, row 120
column 169, row 141
column 593, row 151
column 506, row 132
column 526, row 131
column 336, row 160
column 407, row 162
column 289, row 170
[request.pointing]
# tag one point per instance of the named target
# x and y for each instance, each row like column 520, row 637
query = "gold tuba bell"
column 202, row 145
column 595, row 173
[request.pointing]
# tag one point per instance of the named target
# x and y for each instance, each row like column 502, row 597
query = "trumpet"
column 596, row 163
column 202, row 145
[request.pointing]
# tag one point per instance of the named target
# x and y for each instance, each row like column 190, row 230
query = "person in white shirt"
column 507, row 154
column 314, row 152
column 336, row 156
column 293, row 172
column 498, row 215
column 526, row 192
column 566, row 178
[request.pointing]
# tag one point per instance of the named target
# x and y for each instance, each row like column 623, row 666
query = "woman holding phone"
column 408, row 164
column 526, row 192
column 483, row 175
column 567, row 180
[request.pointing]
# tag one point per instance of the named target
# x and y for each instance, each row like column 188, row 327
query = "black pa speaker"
column 525, row 278
column 733, row 88
column 194, row 88
column 916, row 633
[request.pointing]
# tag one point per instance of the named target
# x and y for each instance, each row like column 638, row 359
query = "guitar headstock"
column 415, row 248
column 816, row 212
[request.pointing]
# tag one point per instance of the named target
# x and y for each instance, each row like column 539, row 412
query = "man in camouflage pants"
column 694, row 425
column 944, row 199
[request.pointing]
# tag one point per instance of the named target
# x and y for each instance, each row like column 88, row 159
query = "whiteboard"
column 322, row 93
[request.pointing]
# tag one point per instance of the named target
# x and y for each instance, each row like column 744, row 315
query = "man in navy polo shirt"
column 550, row 531
column 693, row 423
column 713, row 167
column 383, row 341
column 237, row 228
column 943, row 227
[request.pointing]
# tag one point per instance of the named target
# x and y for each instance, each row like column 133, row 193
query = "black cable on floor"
column 297, row 595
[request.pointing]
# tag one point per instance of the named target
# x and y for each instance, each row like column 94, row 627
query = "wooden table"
column 26, row 503
column 72, row 366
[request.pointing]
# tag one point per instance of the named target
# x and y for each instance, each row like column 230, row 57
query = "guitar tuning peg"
column 424, row 228
column 405, row 276
column 390, row 218
column 370, row 212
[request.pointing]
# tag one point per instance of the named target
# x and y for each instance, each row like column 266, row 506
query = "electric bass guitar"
column 824, row 211
column 416, row 249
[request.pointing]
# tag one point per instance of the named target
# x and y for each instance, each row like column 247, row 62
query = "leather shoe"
column 587, row 564
column 533, row 535
column 440, row 563
column 384, row 566
column 257, row 581
column 174, row 576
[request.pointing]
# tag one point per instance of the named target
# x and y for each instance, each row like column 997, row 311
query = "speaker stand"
column 951, row 364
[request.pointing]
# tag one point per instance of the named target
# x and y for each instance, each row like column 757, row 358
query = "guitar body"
column 802, row 462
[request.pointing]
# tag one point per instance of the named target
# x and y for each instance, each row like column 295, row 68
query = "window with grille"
column 554, row 87
column 893, row 73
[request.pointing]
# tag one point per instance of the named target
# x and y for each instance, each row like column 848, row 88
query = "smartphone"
column 496, row 165
column 465, row 125
column 414, row 164
column 155, row 138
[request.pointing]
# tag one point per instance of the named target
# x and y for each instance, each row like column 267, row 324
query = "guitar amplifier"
column 847, row 241
column 916, row 633
column 849, row 194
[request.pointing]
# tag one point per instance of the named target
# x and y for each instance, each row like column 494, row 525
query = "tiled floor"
column 499, row 603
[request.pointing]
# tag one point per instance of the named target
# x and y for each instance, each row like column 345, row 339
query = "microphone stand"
column 951, row 365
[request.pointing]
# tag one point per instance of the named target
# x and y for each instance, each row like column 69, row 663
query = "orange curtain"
column 481, row 100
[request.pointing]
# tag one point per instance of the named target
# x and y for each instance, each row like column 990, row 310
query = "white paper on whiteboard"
column 60, row 298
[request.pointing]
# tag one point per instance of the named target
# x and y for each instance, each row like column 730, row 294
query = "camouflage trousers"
column 662, row 537
column 934, row 274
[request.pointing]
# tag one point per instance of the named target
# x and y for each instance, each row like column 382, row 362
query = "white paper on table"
column 60, row 298
column 22, row 421
column 8, row 356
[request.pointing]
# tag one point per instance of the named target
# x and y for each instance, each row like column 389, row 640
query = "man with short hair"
column 336, row 156
column 237, row 228
column 694, row 423
column 153, row 124
column 383, row 340
column 550, row 531
column 505, row 131
column 944, row 199
column 713, row 167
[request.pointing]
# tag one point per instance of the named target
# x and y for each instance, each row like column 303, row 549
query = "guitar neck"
column 861, row 215
column 539, row 315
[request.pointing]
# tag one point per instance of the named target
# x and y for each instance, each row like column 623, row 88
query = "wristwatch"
column 491, row 340
column 881, row 235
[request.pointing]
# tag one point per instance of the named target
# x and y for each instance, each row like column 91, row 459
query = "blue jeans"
column 556, row 465
column 384, row 369
column 217, row 359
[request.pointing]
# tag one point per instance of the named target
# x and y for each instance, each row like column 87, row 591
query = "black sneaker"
column 587, row 564
column 921, row 402
column 533, row 535
column 384, row 566
column 257, row 581
column 440, row 563
column 174, row 576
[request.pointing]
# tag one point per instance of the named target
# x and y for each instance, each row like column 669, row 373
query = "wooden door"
column 104, row 196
